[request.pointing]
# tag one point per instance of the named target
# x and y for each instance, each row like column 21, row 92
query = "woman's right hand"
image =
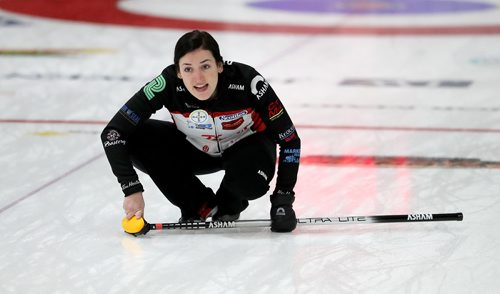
column 134, row 205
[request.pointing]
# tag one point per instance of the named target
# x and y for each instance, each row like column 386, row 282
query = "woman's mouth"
column 201, row 88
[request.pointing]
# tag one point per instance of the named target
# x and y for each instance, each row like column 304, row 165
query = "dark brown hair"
column 195, row 40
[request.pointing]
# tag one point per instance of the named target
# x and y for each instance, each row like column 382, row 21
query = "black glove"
column 282, row 215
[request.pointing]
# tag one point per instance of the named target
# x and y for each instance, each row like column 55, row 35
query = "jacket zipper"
column 216, row 133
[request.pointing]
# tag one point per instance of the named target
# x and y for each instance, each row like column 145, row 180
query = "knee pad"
column 248, row 186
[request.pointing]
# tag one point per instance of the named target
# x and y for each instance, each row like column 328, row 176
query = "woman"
column 225, row 117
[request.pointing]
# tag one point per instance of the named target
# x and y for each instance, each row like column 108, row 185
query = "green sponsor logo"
column 155, row 86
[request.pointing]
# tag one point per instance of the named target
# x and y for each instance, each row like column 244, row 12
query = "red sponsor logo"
column 275, row 110
column 211, row 137
column 232, row 125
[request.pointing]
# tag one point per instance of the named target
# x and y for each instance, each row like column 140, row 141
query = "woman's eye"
column 187, row 69
column 206, row 66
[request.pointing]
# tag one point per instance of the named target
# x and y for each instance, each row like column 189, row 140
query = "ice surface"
column 60, row 205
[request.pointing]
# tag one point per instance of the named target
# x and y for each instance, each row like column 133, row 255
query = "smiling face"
column 200, row 73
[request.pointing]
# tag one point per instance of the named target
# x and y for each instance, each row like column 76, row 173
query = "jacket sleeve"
column 282, row 130
column 123, row 125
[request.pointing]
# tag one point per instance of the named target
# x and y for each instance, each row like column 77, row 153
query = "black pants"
column 163, row 152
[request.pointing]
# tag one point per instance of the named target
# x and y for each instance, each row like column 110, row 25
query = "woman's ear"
column 220, row 67
column 179, row 75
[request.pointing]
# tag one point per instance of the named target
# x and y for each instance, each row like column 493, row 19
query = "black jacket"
column 244, row 105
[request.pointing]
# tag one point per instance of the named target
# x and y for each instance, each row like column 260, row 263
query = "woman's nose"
column 198, row 76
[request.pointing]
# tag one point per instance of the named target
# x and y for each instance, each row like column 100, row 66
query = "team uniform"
column 235, row 131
